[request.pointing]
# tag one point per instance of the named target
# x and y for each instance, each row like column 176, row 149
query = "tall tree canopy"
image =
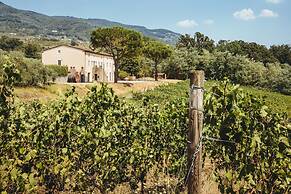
column 119, row 42
column 199, row 41
column 157, row 52
column 252, row 50
column 282, row 53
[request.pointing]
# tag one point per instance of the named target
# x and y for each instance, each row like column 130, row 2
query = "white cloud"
column 274, row 1
column 245, row 14
column 268, row 13
column 187, row 23
column 208, row 22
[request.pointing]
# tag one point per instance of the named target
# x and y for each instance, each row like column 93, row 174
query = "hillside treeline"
column 239, row 69
column 243, row 63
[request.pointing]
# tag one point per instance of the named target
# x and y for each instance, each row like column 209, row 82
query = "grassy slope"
column 160, row 95
column 53, row 91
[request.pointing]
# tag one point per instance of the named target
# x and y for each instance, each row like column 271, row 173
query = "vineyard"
column 98, row 142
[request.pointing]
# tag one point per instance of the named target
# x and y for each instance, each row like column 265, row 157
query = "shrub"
column 9, row 44
column 122, row 74
column 32, row 51
column 32, row 72
column 253, row 156
column 55, row 71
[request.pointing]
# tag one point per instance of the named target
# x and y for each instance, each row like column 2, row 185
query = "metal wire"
column 194, row 87
column 197, row 150
column 190, row 170
column 199, row 110
column 218, row 140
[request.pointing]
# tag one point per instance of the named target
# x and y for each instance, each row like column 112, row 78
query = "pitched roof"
column 82, row 49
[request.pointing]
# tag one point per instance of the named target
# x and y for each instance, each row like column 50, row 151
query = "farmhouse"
column 84, row 65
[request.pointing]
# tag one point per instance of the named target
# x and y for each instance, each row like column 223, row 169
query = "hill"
column 24, row 22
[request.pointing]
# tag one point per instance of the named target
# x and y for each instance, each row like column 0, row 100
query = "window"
column 59, row 51
column 59, row 62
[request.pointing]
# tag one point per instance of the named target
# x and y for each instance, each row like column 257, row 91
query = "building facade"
column 83, row 65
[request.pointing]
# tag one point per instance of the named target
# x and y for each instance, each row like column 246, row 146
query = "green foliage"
column 119, row 42
column 74, row 145
column 199, row 41
column 122, row 74
column 96, row 143
column 181, row 62
column 252, row 50
column 132, row 65
column 34, row 24
column 32, row 51
column 55, row 71
column 259, row 159
column 157, row 52
column 100, row 141
column 145, row 69
column 282, row 53
column 8, row 76
column 239, row 69
column 9, row 44
column 31, row 71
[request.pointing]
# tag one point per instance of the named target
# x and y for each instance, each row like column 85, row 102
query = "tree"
column 282, row 53
column 202, row 41
column 131, row 65
column 257, row 52
column 9, row 44
column 119, row 42
column 181, row 62
column 185, row 41
column 32, row 51
column 199, row 41
column 157, row 52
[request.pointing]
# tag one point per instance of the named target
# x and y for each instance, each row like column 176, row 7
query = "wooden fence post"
column 195, row 132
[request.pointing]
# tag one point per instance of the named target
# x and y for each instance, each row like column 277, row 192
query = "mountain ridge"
column 26, row 22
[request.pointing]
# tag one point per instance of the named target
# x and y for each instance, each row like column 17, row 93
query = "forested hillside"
column 31, row 23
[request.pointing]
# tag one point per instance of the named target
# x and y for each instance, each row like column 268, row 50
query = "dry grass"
column 54, row 91
column 160, row 182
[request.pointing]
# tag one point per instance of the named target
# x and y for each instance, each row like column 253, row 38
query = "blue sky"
column 264, row 21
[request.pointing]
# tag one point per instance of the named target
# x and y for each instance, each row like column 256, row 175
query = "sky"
column 264, row 21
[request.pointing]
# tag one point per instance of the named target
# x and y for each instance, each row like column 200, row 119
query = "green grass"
column 161, row 94
column 278, row 102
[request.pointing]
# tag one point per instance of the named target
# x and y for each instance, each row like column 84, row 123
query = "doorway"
column 82, row 78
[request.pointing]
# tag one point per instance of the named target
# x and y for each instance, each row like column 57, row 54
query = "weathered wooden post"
column 195, row 132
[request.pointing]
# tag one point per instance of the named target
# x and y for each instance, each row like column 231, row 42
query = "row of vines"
column 101, row 141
